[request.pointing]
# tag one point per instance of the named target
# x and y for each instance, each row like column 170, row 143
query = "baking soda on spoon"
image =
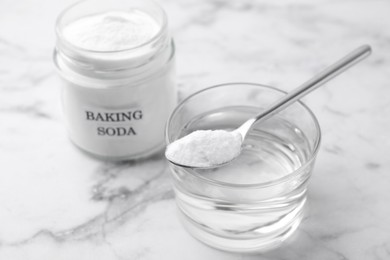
column 208, row 149
column 203, row 148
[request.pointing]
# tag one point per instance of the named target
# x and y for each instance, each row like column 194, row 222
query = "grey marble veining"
column 57, row 203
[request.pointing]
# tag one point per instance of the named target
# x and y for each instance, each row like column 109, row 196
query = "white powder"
column 205, row 148
column 112, row 31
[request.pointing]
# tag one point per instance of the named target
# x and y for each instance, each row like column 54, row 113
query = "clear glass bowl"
column 257, row 201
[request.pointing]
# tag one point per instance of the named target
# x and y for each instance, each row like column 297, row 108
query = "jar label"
column 118, row 123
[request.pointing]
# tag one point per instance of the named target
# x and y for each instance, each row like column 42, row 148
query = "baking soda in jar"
column 116, row 61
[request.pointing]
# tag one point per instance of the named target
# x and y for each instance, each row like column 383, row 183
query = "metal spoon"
column 301, row 91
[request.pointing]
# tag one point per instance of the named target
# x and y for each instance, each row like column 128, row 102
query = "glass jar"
column 116, row 103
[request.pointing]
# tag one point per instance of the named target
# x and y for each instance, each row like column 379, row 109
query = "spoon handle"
column 310, row 85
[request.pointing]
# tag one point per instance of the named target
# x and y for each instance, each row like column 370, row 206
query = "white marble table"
column 57, row 203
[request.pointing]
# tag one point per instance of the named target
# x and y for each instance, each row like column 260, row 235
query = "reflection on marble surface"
column 57, row 203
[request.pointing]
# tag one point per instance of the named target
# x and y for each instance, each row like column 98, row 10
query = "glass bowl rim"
column 283, row 179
